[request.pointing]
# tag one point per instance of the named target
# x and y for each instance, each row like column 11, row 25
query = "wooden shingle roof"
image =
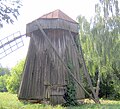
column 58, row 14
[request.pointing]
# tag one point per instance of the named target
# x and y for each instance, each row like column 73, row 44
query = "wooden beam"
column 81, row 58
column 11, row 41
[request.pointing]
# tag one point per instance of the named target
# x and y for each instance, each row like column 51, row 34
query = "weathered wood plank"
column 52, row 24
column 43, row 67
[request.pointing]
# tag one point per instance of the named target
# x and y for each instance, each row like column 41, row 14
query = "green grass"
column 10, row 101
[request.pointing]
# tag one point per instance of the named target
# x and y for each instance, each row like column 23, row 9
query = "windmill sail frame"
column 10, row 44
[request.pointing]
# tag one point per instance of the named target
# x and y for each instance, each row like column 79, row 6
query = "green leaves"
column 13, row 81
column 70, row 94
column 110, row 7
column 9, row 10
column 3, row 83
column 4, row 73
column 101, row 42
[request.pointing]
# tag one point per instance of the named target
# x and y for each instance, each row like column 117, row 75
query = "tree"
column 13, row 81
column 3, row 83
column 9, row 9
column 4, row 73
column 110, row 36
column 109, row 8
column 100, row 40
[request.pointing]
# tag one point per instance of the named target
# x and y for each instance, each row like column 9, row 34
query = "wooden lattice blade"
column 10, row 44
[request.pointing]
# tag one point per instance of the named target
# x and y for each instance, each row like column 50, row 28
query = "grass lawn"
column 10, row 101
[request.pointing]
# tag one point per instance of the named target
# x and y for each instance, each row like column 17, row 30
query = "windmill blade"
column 10, row 44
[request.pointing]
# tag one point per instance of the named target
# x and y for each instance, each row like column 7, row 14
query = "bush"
column 4, row 73
column 13, row 81
column 3, row 83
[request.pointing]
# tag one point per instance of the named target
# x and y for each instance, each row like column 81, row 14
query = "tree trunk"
column 98, row 84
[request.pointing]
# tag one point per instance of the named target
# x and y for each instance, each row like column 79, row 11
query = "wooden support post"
column 69, row 71
column 81, row 58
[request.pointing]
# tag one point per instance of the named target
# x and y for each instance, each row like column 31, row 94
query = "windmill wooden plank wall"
column 44, row 76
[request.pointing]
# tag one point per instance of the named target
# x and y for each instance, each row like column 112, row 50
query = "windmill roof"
column 58, row 14
column 54, row 20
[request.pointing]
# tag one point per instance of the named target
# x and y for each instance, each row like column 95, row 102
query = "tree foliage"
column 70, row 93
column 100, row 40
column 3, row 87
column 13, row 81
column 110, row 8
column 9, row 10
column 4, row 72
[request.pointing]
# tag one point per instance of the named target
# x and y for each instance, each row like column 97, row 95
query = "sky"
column 32, row 10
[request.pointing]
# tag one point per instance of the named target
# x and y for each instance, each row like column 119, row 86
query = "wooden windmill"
column 52, row 48
column 44, row 75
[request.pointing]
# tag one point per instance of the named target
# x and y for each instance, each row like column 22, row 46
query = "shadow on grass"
column 96, row 106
